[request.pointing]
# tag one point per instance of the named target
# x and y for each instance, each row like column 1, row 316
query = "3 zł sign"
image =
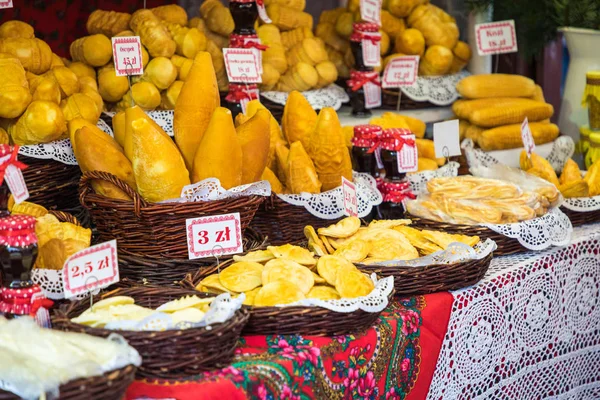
column 214, row 235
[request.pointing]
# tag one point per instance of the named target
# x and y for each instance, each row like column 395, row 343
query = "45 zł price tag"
column 350, row 201
column 401, row 71
column 242, row 65
column 496, row 38
column 90, row 269
column 214, row 235
column 370, row 11
column 6, row 4
column 127, row 55
column 527, row 137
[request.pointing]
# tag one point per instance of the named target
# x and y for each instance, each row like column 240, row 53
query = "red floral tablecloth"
column 393, row 360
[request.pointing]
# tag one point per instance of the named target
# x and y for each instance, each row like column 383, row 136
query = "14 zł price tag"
column 408, row 158
column 6, row 4
column 242, row 65
column 90, row 269
column 496, row 38
column 370, row 10
column 214, row 235
column 350, row 201
column 127, row 55
column 401, row 71
column 446, row 139
column 527, row 137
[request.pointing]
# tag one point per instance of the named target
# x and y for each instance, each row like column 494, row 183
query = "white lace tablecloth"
column 529, row 330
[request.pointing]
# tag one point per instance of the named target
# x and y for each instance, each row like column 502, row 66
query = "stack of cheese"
column 494, row 107
column 168, row 50
column 409, row 27
column 38, row 94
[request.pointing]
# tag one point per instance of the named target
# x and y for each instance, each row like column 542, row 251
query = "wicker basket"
column 152, row 229
column 168, row 354
column 51, row 183
column 281, row 222
column 110, row 386
column 581, row 218
column 506, row 245
column 296, row 320
column 413, row 281
column 389, row 101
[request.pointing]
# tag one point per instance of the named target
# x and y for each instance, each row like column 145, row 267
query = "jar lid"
column 592, row 75
column 17, row 222
column 17, row 230
column 595, row 137
column 367, row 129
column 391, row 132
column 584, row 130
column 365, row 27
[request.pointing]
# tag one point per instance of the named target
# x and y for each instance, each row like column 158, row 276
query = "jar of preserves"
column 244, row 14
column 240, row 94
column 361, row 74
column 394, row 193
column 591, row 98
column 365, row 149
column 8, row 156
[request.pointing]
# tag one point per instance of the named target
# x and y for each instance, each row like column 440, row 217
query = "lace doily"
column 528, row 330
column 210, row 189
column 418, row 181
column 439, row 90
column 330, row 96
column 330, row 204
column 164, row 119
column 562, row 149
column 376, row 301
column 582, row 204
column 222, row 308
column 51, row 283
column 454, row 253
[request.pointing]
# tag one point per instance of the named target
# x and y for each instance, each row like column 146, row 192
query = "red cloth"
column 220, row 390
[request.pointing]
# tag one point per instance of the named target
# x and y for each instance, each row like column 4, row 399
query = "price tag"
column 257, row 52
column 370, row 11
column 378, row 158
column 527, row 137
column 408, row 158
column 16, row 183
column 370, row 50
column 350, row 201
column 93, row 268
column 262, row 12
column 496, row 38
column 372, row 95
column 242, row 65
column 214, row 235
column 446, row 139
column 127, row 55
column 401, row 71
column 6, row 4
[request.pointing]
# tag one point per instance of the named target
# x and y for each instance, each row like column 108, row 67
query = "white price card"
column 127, row 55
column 401, row 71
column 370, row 11
column 215, row 235
column 371, row 49
column 446, row 139
column 93, row 268
column 496, row 38
column 242, row 65
column 372, row 95
column 350, row 201
column 527, row 137
column 16, row 184
column 257, row 51
column 408, row 157
column 262, row 12
column 6, row 4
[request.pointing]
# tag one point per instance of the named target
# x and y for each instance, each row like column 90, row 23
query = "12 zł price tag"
column 214, row 235
column 446, row 139
column 408, row 158
column 527, row 137
column 90, row 269
column 6, row 4
column 496, row 38
column 242, row 65
column 401, row 71
column 127, row 55
column 350, row 201
column 370, row 10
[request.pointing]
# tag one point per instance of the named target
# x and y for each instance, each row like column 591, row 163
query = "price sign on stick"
column 350, row 201
column 496, row 38
column 222, row 232
column 370, row 11
column 401, row 71
column 127, row 55
column 93, row 268
column 446, row 139
column 242, row 65
column 527, row 137
column 6, row 4
column 408, row 158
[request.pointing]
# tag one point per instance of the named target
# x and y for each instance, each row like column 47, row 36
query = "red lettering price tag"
column 93, row 268
column 257, row 52
column 372, row 95
column 401, row 71
column 350, row 201
column 242, row 65
column 496, row 38
column 527, row 137
column 127, row 55
column 408, row 158
column 370, row 50
column 446, row 139
column 370, row 11
column 214, row 235
column 15, row 181
column 6, row 4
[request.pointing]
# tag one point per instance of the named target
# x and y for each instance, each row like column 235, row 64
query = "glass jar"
column 365, row 149
column 360, row 71
column 593, row 153
column 361, row 30
column 244, row 14
column 6, row 151
column 591, row 98
column 394, row 193
column 238, row 94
